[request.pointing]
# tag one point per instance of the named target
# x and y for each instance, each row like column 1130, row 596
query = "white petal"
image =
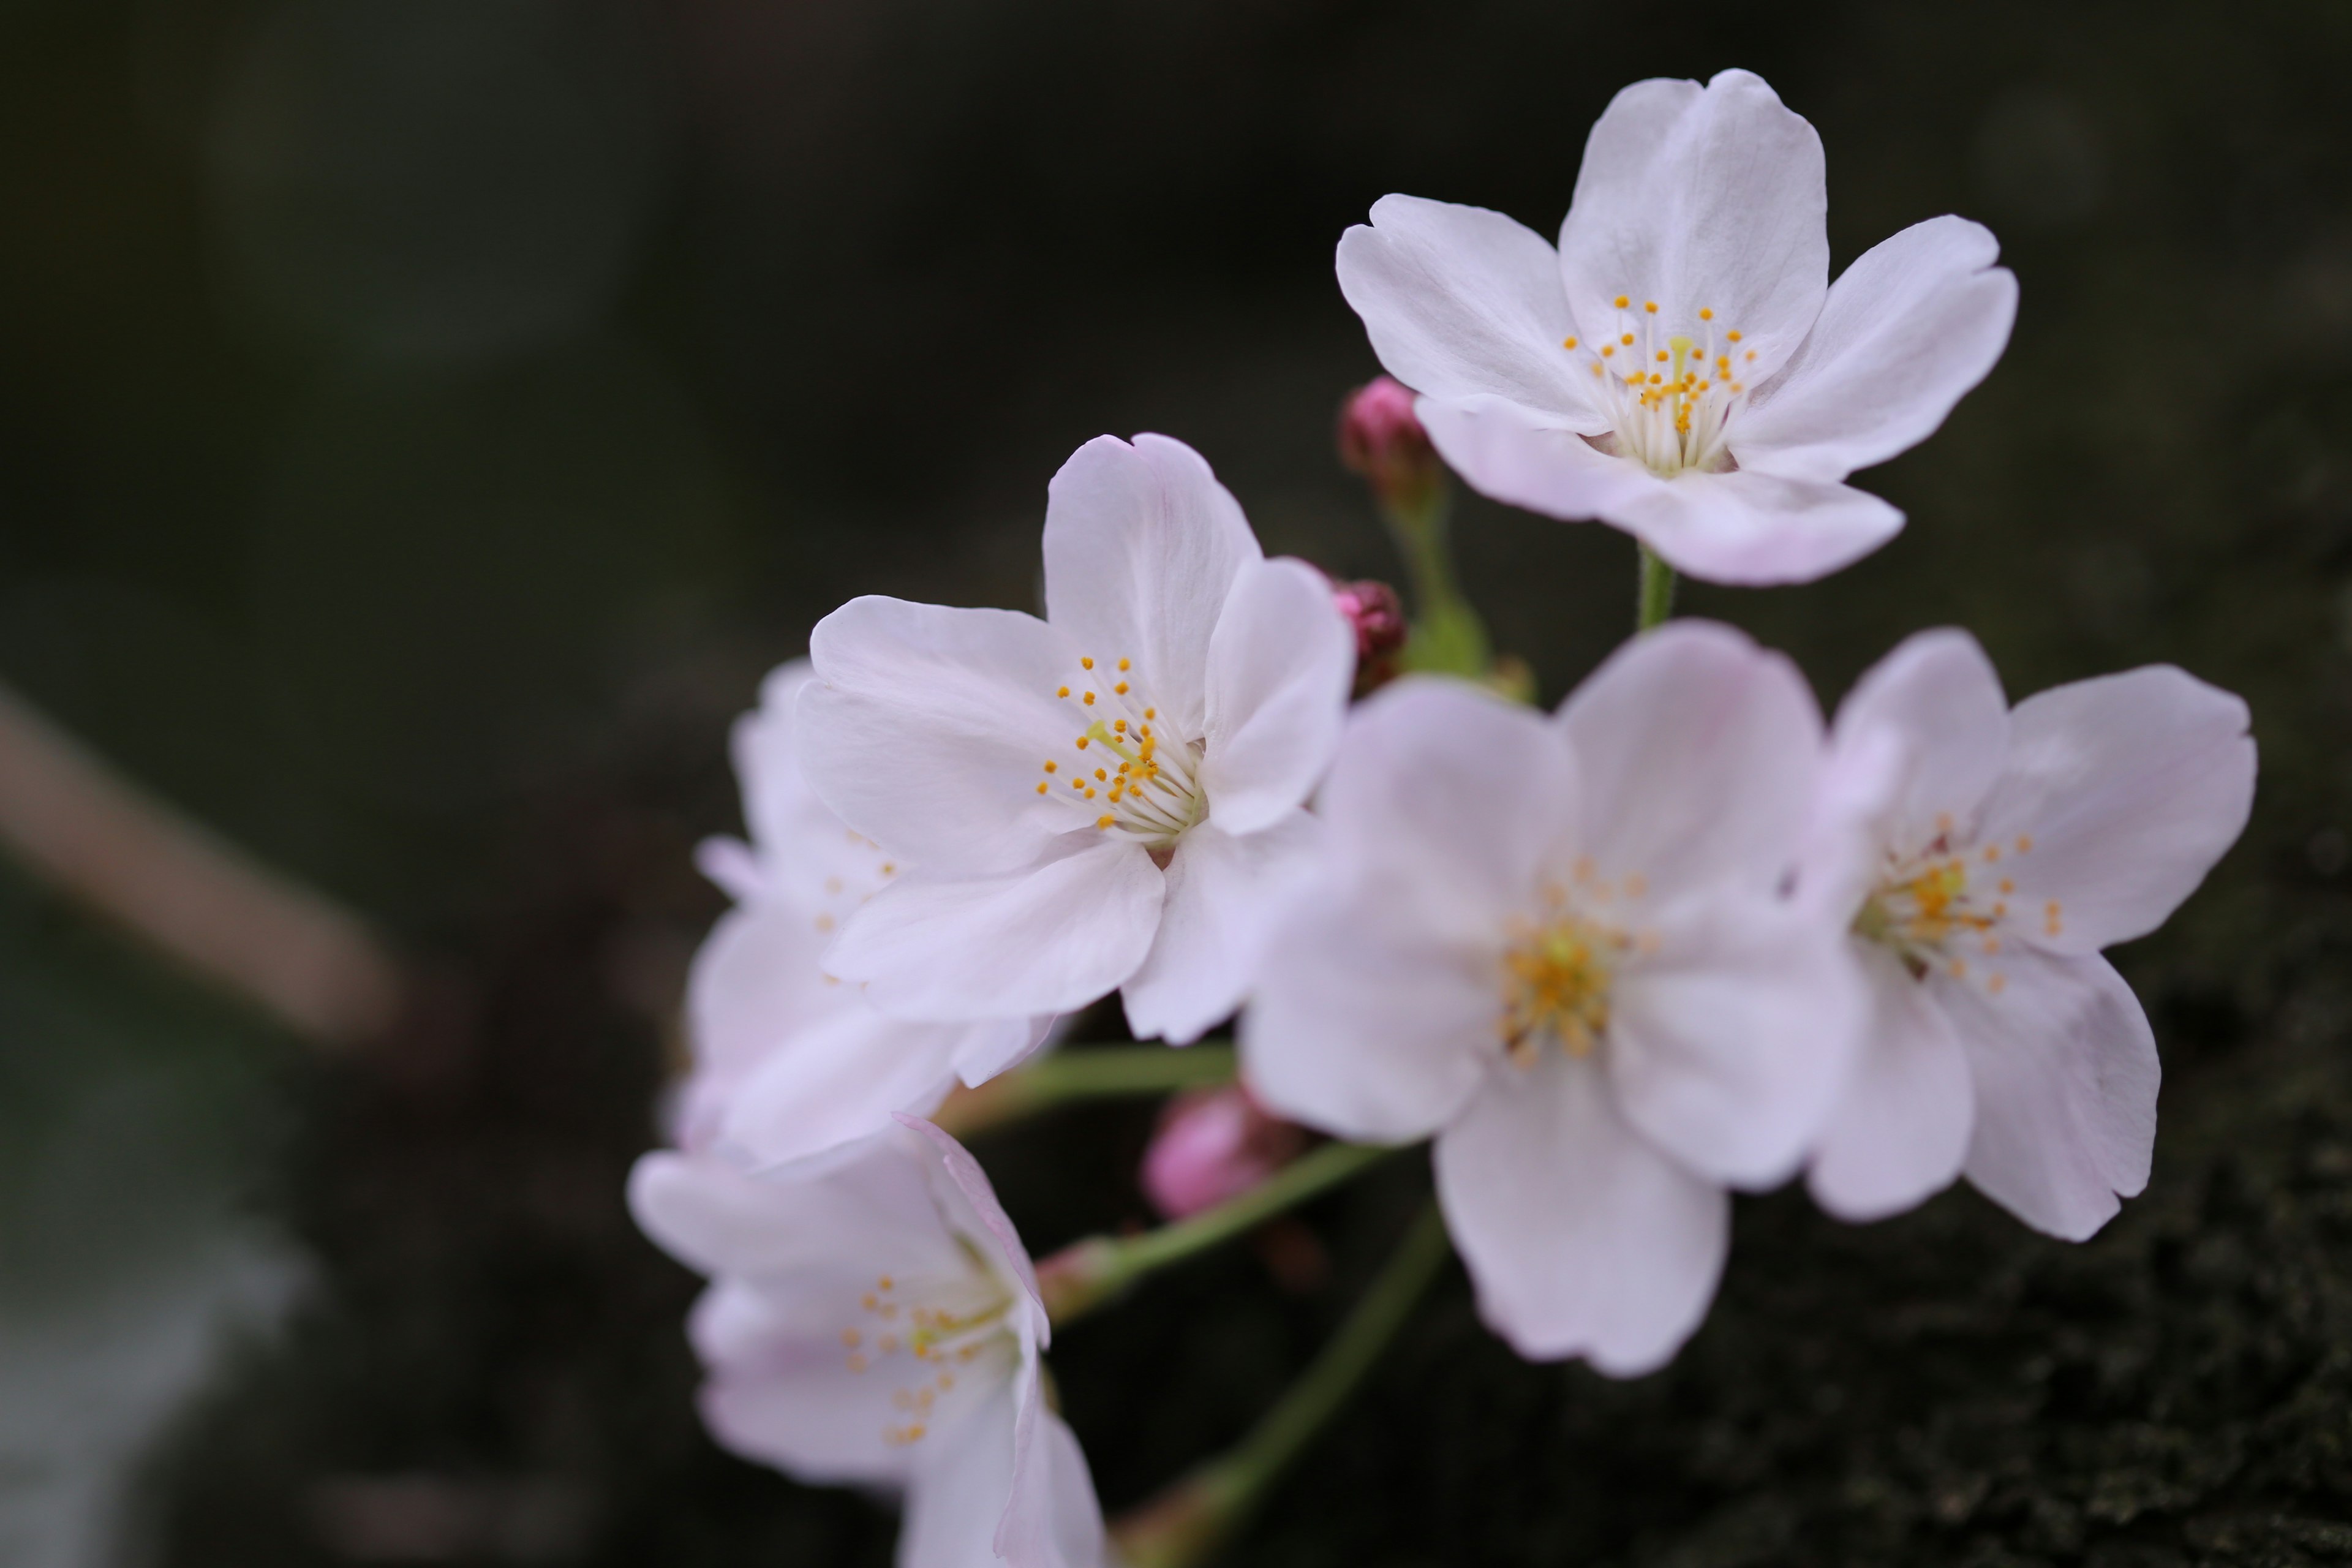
column 1698, row 753
column 2128, row 788
column 837, row 1081
column 1053, row 1519
column 1452, row 799
column 781, row 1393
column 970, row 1202
column 1508, row 454
column 756, row 982
column 2066, row 1075
column 1582, row 1239
column 928, row 728
column 1463, row 303
column 1906, row 331
column 1901, row 1127
column 998, row 1046
column 956, row 1498
column 1750, row 529
column 1280, row 664
column 1937, row 703
column 1142, row 544
column 1225, row 894
column 874, row 1205
column 1709, row 199
column 1729, row 1045
column 1049, row 937
column 778, row 804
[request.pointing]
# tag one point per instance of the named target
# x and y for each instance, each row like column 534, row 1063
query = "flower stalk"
column 1072, row 1076
column 1197, row 1515
column 1087, row 1274
column 1654, row 599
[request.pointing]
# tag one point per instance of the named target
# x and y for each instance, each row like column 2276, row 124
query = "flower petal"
column 1280, row 664
column 1225, row 892
column 1463, row 303
column 1936, row 701
column 1693, row 198
column 1508, row 454
column 2128, row 788
column 1582, row 1239
column 873, row 1204
column 1053, row 1519
column 1000, row 1044
column 927, row 727
column 2066, row 1075
column 781, row 1393
column 962, row 1481
column 1901, row 1127
column 1746, row 528
column 1698, row 753
column 1729, row 1045
column 757, row 981
column 778, row 804
column 837, row 1081
column 1049, row 937
column 1142, row 544
column 1906, row 331
column 969, row 1199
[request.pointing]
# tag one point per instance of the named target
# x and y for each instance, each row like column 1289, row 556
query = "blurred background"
column 422, row 421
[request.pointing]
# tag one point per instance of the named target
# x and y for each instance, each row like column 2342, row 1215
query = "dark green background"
column 421, row 421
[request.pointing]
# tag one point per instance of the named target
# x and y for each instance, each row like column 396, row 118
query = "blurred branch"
column 214, row 911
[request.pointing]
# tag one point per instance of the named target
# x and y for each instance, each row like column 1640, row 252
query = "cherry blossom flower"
column 1985, row 856
column 1111, row 796
column 1680, row 366
column 1563, row 946
column 789, row 1061
column 873, row 1319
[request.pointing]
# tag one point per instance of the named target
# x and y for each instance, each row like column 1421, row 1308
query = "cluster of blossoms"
column 1679, row 938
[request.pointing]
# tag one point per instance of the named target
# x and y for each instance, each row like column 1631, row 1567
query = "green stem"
column 1085, row 1274
column 1448, row 637
column 1654, row 601
column 1083, row 1073
column 1202, row 1511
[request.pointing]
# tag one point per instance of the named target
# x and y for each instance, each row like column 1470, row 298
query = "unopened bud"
column 1381, row 437
column 1374, row 609
column 1213, row 1145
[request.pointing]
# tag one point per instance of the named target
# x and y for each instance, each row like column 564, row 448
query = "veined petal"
column 1937, row 700
column 1225, row 892
column 2128, row 788
column 999, row 1045
column 1048, row 937
column 1711, row 198
column 830, row 1083
column 873, row 1205
column 757, row 981
column 1463, row 303
column 1508, row 454
column 1582, row 1238
column 966, row 1196
column 1746, row 528
column 956, row 1494
column 1902, row 1125
column 1280, row 663
column 1142, row 544
column 927, row 727
column 1728, row 1044
column 1053, row 1519
column 1698, row 753
column 783, row 1395
column 2066, row 1075
column 1906, row 331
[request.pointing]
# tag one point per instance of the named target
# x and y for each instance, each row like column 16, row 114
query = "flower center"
column 1949, row 903
column 1128, row 774
column 924, row 1349
column 1670, row 396
column 1559, row 971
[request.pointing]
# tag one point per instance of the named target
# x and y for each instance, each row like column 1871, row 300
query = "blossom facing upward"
column 1984, row 856
column 875, row 1321
column 789, row 1061
column 1562, row 945
column 1111, row 796
column 1681, row 366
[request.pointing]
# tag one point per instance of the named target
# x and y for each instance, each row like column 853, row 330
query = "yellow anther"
column 1627, row 340
column 1105, row 819
column 1065, row 692
column 1705, row 314
column 1052, row 766
column 1152, row 713
column 1662, row 356
column 1100, row 775
column 1650, row 306
column 1086, row 664
column 1991, row 945
column 2007, row 886
column 1041, row 786
column 1090, row 699
column 1082, row 742
column 1091, row 791
column 1733, row 336
column 856, row 1362
column 1118, row 726
column 851, row 1338
column 1123, row 664
column 1568, row 343
column 887, row 1344
column 1992, row 853
column 1996, row 983
column 1078, row 784
column 2025, row 844
column 825, row 923
column 1623, row 301
column 1120, row 689
column 1960, row 969
column 1608, row 351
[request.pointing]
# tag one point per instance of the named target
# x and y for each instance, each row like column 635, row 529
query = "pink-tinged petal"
column 998, row 1046
column 1225, row 894
column 2066, row 1075
column 1698, row 753
column 1728, row 1044
column 1901, row 1127
column 1906, row 331
column 973, row 1204
column 1752, row 528
column 778, row 804
column 1463, row 303
column 1049, row 937
column 1937, row 703
column 1142, row 544
column 783, row 1393
column 961, row 1483
column 927, row 728
column 1582, row 1239
column 2126, row 789
column 757, row 981
column 1701, row 199
column 1508, row 454
column 1053, row 1519
column 835, row 1082
column 873, row 1205
column 1280, row 665
column 1453, row 800
column 731, row 866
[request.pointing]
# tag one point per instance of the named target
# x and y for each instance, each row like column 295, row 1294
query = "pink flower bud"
column 1213, row 1144
column 1374, row 609
column 1382, row 438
